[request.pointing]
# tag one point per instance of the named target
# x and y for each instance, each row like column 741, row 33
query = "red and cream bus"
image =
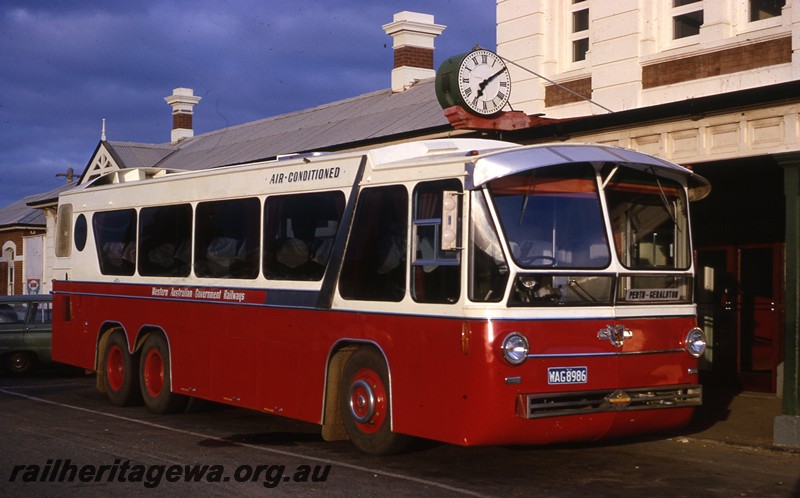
column 468, row 291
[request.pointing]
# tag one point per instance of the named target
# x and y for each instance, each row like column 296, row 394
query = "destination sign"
column 653, row 295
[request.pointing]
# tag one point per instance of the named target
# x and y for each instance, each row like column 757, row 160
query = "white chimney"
column 182, row 101
column 413, row 35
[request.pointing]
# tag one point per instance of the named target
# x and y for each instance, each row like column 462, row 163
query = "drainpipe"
column 786, row 429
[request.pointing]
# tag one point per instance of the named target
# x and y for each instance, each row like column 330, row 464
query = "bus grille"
column 587, row 402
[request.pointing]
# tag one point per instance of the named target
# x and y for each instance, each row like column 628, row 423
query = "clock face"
column 484, row 82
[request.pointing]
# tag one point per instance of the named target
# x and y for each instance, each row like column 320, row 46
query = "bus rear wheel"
column 366, row 405
column 121, row 372
column 154, row 373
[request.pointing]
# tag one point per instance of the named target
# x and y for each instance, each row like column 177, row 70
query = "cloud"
column 69, row 64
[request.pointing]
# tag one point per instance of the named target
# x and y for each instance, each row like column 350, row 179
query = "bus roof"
column 437, row 148
column 479, row 160
column 508, row 162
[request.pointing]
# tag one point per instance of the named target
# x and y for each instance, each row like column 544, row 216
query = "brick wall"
column 18, row 287
column 768, row 53
column 413, row 57
column 182, row 120
column 554, row 95
column 16, row 238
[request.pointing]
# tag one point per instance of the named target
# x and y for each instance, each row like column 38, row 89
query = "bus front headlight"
column 515, row 348
column 696, row 342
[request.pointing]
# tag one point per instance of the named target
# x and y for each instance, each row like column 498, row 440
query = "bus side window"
column 165, row 241
column 64, row 231
column 298, row 234
column 115, row 236
column 227, row 238
column 435, row 274
column 374, row 267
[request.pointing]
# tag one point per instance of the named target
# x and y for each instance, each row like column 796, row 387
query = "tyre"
column 154, row 378
column 366, row 405
column 121, row 372
column 20, row 363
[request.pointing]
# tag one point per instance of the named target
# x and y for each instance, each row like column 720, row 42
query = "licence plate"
column 567, row 375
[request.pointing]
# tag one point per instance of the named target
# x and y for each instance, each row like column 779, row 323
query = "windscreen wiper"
column 664, row 199
column 531, row 184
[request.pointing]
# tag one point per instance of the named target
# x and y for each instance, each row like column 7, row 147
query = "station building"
column 706, row 84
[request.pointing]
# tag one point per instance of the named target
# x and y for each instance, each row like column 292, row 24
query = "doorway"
column 740, row 306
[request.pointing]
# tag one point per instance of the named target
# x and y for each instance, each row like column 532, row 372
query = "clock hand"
column 488, row 80
column 495, row 75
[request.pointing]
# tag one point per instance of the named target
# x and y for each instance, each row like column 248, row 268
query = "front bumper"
column 532, row 406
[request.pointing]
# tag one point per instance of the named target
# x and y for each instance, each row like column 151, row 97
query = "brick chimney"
column 182, row 101
column 413, row 35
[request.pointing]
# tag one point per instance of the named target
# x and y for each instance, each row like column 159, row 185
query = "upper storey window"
column 765, row 9
column 687, row 17
column 580, row 30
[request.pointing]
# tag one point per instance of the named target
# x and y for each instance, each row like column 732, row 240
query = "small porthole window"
column 80, row 232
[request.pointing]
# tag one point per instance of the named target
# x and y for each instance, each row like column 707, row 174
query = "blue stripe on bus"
column 298, row 298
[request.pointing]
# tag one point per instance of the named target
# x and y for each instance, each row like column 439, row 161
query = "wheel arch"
column 146, row 331
column 103, row 333
column 332, row 424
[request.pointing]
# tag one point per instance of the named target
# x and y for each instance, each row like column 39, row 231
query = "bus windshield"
column 555, row 227
column 648, row 219
column 552, row 217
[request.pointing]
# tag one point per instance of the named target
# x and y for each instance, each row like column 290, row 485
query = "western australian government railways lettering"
column 210, row 294
column 305, row 175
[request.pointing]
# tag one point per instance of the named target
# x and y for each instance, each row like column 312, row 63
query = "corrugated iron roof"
column 136, row 155
column 20, row 214
column 368, row 117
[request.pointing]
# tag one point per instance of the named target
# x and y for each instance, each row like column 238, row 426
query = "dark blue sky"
column 66, row 65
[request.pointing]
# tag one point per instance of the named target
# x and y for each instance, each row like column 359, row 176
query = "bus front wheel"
column 120, row 369
column 154, row 377
column 366, row 405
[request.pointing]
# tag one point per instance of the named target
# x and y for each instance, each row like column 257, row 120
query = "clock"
column 478, row 81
